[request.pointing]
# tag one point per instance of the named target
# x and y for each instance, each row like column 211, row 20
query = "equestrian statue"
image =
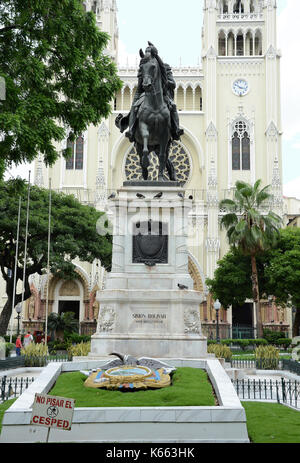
column 153, row 120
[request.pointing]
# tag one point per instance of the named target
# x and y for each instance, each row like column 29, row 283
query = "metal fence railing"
column 283, row 391
column 269, row 364
column 242, row 363
column 290, row 393
column 12, row 362
column 13, row 387
column 291, row 365
column 243, row 332
column 258, row 364
column 32, row 361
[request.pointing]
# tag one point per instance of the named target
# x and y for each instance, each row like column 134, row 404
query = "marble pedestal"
column 143, row 312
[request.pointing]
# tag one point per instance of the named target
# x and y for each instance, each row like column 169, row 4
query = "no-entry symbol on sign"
column 52, row 412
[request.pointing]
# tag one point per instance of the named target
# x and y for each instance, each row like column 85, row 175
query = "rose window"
column 177, row 155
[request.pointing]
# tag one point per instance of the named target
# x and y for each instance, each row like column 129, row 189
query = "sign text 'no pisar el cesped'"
column 52, row 412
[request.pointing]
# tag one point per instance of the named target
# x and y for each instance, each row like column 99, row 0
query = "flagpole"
column 48, row 263
column 15, row 271
column 26, row 240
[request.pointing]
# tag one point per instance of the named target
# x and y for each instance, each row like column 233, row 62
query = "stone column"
column 101, row 181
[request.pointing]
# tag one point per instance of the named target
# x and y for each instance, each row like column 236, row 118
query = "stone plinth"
column 143, row 311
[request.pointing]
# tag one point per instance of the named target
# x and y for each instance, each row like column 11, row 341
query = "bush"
column 13, row 338
column 296, row 354
column 8, row 348
column 35, row 355
column 272, row 336
column 211, row 341
column 244, row 343
column 220, row 351
column 267, row 357
column 80, row 350
column 58, row 345
column 258, row 342
column 284, row 342
column 75, row 338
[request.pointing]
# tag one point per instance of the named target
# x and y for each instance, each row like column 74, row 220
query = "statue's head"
column 150, row 52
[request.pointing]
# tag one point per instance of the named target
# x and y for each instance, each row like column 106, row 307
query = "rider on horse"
column 169, row 85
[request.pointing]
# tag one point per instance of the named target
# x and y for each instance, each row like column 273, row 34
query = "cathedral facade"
column 229, row 108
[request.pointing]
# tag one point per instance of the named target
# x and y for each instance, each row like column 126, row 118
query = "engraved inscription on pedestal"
column 150, row 243
column 144, row 320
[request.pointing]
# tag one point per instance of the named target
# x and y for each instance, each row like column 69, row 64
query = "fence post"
column 277, row 392
column 283, row 390
column 3, row 382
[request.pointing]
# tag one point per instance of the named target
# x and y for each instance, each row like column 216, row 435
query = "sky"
column 175, row 27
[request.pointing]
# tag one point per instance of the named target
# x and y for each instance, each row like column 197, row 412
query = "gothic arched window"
column 252, row 6
column 70, row 160
column 240, row 147
column 222, row 44
column 240, row 45
column 224, row 7
column 79, row 153
column 76, row 157
column 238, row 7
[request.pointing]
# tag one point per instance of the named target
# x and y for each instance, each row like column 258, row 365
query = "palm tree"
column 250, row 230
column 58, row 324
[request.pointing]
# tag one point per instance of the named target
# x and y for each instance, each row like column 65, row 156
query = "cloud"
column 288, row 42
column 21, row 170
column 125, row 58
column 292, row 189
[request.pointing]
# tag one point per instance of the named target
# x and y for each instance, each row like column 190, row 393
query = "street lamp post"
column 18, row 310
column 217, row 307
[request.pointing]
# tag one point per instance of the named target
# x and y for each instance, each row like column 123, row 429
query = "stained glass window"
column 79, row 153
column 236, row 152
column 70, row 160
column 240, row 147
column 76, row 157
column 246, row 152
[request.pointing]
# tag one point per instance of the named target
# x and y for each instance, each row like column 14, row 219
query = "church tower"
column 241, row 66
column 106, row 17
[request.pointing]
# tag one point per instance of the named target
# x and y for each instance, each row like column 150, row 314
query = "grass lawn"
column 190, row 386
column 272, row 423
column 3, row 407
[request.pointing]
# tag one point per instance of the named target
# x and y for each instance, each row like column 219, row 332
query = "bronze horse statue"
column 151, row 120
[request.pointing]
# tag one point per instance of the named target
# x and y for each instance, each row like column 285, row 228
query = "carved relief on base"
column 107, row 319
column 192, row 322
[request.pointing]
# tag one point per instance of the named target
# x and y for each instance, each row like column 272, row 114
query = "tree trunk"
column 5, row 317
column 296, row 326
column 255, row 292
column 7, row 309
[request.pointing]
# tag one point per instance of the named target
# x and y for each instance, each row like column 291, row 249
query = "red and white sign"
column 52, row 412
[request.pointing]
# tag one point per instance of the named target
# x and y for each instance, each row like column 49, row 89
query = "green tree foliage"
column 278, row 274
column 232, row 283
column 73, row 236
column 60, row 323
column 56, row 74
column 249, row 230
column 283, row 272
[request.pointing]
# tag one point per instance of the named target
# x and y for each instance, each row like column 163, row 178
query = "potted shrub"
column 266, row 357
column 221, row 351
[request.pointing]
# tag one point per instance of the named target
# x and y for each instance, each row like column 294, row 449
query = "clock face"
column 240, row 87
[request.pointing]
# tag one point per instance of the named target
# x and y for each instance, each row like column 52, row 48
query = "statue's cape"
column 123, row 123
